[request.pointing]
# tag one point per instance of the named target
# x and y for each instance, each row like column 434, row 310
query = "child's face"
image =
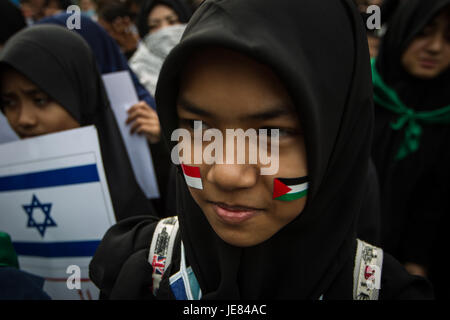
column 162, row 16
column 29, row 110
column 428, row 55
column 226, row 90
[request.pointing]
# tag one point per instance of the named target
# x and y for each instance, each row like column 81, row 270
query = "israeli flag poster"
column 55, row 205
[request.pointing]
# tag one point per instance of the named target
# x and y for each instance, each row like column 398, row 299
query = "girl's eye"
column 426, row 31
column 194, row 124
column 41, row 101
column 153, row 25
column 8, row 103
column 172, row 19
column 280, row 132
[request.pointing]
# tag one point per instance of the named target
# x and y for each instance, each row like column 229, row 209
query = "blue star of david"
column 45, row 207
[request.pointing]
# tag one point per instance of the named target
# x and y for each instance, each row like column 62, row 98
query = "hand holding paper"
column 144, row 120
column 122, row 95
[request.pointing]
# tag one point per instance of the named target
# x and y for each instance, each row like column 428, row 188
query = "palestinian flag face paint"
column 289, row 189
column 192, row 176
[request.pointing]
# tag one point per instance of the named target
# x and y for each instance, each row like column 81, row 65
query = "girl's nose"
column 27, row 116
column 437, row 43
column 233, row 176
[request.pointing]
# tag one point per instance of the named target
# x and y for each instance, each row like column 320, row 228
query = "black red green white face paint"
column 192, row 176
column 289, row 189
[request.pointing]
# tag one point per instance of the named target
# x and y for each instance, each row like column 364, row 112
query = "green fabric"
column 8, row 257
column 408, row 118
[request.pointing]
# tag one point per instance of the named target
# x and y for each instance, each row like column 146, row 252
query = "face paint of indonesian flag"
column 289, row 189
column 192, row 176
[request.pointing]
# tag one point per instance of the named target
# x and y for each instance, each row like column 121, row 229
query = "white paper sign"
column 55, row 205
column 122, row 95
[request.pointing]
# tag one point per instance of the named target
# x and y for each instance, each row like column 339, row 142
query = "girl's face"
column 428, row 55
column 161, row 16
column 29, row 110
column 226, row 90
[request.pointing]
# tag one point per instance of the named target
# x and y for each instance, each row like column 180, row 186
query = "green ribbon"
column 8, row 256
column 409, row 119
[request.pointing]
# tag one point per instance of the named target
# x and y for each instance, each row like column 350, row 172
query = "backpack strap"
column 161, row 248
column 367, row 271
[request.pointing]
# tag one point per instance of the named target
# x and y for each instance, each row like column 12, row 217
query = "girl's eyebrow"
column 29, row 92
column 270, row 113
column 190, row 107
column 276, row 111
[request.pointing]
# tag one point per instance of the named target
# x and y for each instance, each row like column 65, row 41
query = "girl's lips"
column 234, row 215
column 428, row 63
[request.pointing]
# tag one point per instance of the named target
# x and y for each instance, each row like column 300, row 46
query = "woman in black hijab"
column 61, row 64
column 234, row 252
column 181, row 10
column 412, row 128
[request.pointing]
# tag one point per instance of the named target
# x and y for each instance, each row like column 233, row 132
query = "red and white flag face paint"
column 192, row 176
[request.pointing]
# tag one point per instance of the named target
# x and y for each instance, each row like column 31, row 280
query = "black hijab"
column 410, row 19
column 11, row 20
column 181, row 8
column 327, row 74
column 61, row 63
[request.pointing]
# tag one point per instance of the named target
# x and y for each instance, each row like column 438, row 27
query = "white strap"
column 161, row 248
column 190, row 287
column 367, row 271
column 184, row 275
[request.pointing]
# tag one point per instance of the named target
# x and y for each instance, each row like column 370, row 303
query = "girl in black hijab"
column 232, row 66
column 411, row 79
column 63, row 68
column 182, row 13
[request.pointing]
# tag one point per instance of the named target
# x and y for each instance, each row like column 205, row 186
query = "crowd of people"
column 363, row 116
